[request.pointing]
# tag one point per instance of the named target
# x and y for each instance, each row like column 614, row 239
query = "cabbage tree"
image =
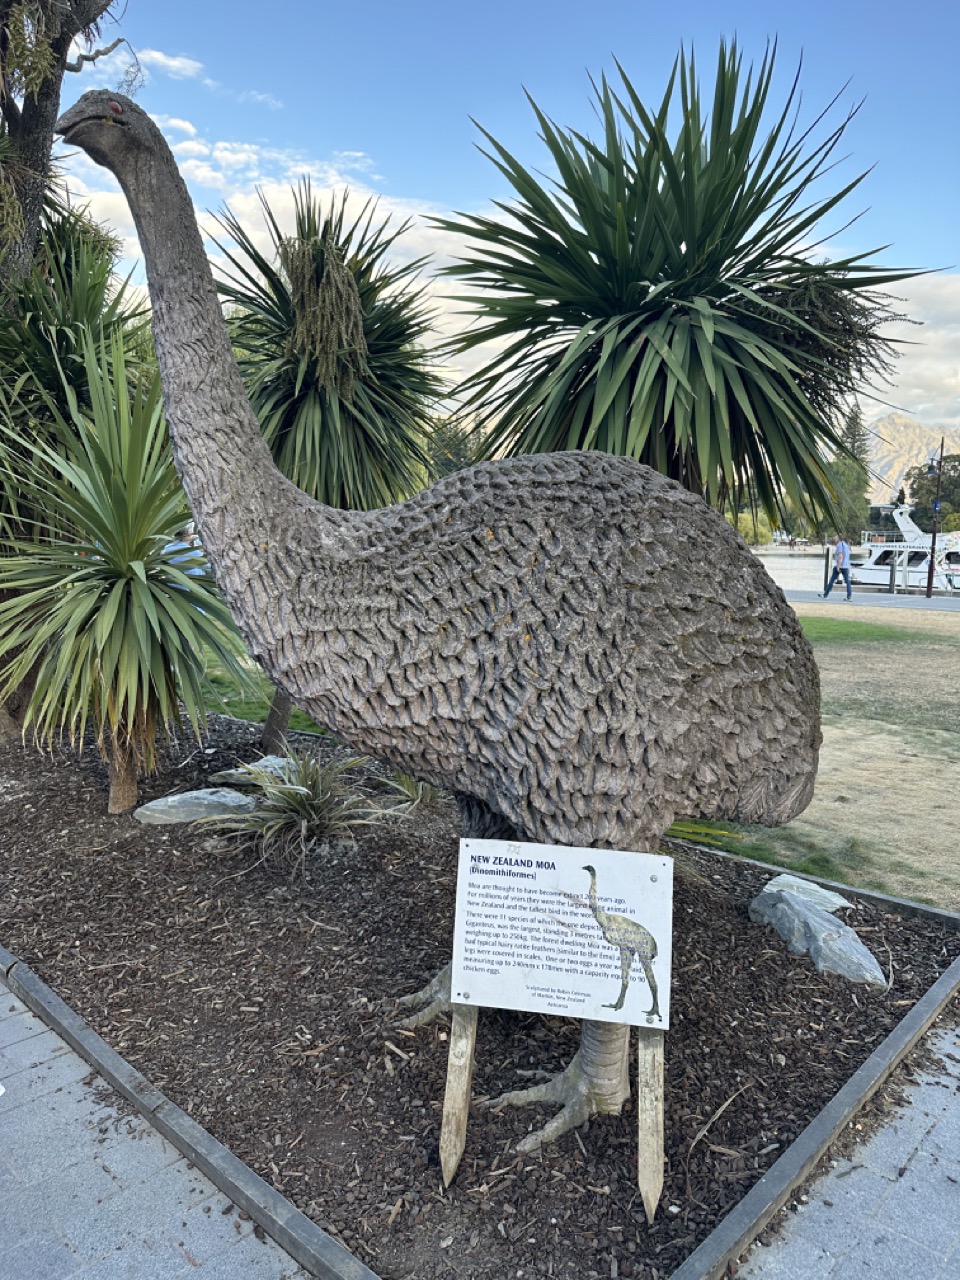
column 328, row 331
column 662, row 295
column 328, row 326
column 99, row 599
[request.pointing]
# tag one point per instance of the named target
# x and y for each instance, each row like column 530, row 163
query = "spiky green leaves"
column 301, row 804
column 658, row 298
column 327, row 334
column 106, row 609
column 71, row 291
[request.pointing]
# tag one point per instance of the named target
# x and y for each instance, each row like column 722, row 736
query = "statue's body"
column 576, row 646
column 570, row 638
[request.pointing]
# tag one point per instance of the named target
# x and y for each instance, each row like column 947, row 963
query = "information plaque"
column 583, row 933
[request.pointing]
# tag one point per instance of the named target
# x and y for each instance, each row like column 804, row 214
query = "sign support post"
column 456, row 1097
column 650, row 1118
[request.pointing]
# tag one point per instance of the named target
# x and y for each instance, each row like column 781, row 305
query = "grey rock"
column 809, row 929
column 806, row 889
column 241, row 778
column 190, row 806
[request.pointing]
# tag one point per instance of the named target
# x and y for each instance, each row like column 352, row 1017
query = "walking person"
column 841, row 566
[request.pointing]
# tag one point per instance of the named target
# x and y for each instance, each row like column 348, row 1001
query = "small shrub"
column 300, row 806
column 412, row 792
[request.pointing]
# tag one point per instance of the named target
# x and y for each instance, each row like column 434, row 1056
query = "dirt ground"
column 886, row 811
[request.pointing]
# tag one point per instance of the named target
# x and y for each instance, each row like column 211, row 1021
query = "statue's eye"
column 116, row 108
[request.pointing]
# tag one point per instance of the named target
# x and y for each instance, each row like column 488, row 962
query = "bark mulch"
column 263, row 1008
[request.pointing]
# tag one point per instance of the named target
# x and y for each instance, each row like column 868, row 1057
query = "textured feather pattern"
column 572, row 639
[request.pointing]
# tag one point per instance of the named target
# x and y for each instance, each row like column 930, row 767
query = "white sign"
column 585, row 933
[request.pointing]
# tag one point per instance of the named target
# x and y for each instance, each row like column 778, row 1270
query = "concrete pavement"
column 939, row 604
column 90, row 1191
column 891, row 1211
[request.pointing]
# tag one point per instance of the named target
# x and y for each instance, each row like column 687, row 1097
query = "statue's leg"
column 654, row 1009
column 479, row 822
column 595, row 1083
column 626, row 962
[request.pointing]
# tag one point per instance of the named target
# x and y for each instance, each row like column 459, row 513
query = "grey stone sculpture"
column 576, row 646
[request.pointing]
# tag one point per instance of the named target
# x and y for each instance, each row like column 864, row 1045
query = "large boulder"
column 801, row 913
column 191, row 806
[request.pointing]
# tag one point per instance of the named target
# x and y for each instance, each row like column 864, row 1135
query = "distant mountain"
column 900, row 444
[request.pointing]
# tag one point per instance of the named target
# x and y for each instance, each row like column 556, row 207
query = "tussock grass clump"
column 299, row 807
column 412, row 792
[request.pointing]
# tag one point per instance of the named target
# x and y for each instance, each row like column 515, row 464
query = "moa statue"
column 574, row 645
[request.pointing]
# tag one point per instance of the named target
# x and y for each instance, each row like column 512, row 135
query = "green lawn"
column 843, row 631
column 252, row 702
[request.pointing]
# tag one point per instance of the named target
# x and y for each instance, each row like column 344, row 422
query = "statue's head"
column 107, row 126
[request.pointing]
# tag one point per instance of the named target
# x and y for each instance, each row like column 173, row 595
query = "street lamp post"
column 931, row 471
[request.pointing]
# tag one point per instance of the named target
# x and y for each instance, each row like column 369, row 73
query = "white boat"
column 903, row 559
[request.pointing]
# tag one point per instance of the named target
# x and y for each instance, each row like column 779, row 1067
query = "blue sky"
column 380, row 96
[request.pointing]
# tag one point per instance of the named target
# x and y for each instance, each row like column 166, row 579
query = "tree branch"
column 92, row 57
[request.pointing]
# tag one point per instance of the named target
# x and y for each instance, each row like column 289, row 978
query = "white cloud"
column 174, row 122
column 177, row 66
column 354, row 160
column 203, row 173
column 261, row 99
column 191, row 147
column 926, row 378
column 239, row 155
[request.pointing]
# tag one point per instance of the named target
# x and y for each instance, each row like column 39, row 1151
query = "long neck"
column 246, row 511
column 594, row 904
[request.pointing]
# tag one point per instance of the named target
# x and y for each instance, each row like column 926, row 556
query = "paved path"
column 89, row 1190
column 892, row 1212
column 939, row 604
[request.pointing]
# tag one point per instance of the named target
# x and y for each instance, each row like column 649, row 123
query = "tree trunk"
column 9, row 729
column 29, row 125
column 12, row 711
column 123, row 782
column 273, row 740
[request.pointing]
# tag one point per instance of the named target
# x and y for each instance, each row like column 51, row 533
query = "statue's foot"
column 428, row 1003
column 574, row 1090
